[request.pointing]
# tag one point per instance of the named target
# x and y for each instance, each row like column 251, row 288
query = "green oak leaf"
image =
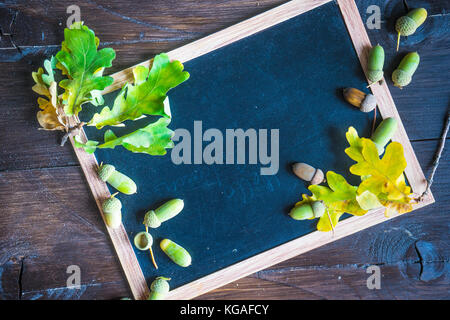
column 153, row 139
column 146, row 96
column 49, row 66
column 340, row 196
column 84, row 65
column 355, row 149
column 89, row 146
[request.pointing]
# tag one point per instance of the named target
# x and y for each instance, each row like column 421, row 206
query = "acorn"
column 118, row 180
column 159, row 289
column 167, row 211
column 402, row 76
column 365, row 102
column 308, row 173
column 112, row 209
column 304, row 211
column 384, row 133
column 407, row 25
column 375, row 64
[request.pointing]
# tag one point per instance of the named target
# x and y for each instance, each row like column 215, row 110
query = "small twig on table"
column 71, row 131
column 437, row 157
column 374, row 119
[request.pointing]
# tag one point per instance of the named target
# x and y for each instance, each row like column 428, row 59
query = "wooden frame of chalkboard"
column 386, row 107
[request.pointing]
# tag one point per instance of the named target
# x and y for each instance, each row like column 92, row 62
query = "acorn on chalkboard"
column 308, row 173
column 365, row 102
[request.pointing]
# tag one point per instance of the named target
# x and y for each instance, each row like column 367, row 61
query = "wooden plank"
column 49, row 223
column 116, row 22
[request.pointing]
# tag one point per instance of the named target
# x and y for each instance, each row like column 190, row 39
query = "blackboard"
column 287, row 77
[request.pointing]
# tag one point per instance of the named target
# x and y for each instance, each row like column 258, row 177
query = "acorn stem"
column 374, row 120
column 153, row 258
column 398, row 41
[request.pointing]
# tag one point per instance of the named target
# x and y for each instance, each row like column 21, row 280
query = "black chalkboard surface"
column 288, row 77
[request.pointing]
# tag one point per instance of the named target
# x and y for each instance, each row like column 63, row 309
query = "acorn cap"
column 151, row 220
column 374, row 75
column 111, row 205
column 160, row 285
column 405, row 26
column 369, row 103
column 105, row 171
column 401, row 78
column 318, row 177
column 143, row 240
column 318, row 208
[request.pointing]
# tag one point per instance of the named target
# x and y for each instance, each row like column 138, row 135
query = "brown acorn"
column 308, row 173
column 365, row 102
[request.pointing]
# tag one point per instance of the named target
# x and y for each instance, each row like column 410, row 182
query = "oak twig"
column 437, row 156
column 71, row 131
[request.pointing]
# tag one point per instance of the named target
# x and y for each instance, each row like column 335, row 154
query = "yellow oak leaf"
column 50, row 117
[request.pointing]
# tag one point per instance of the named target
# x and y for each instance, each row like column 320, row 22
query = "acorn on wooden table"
column 366, row 102
column 407, row 25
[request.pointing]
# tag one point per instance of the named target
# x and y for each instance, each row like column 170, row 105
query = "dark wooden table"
column 49, row 221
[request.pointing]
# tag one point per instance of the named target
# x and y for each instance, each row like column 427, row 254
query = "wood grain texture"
column 136, row 36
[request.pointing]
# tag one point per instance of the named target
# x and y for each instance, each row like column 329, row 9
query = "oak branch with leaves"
column 382, row 184
column 79, row 65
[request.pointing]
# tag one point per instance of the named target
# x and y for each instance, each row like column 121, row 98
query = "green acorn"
column 402, row 76
column 168, row 210
column 307, row 210
column 118, row 180
column 159, row 289
column 375, row 64
column 176, row 253
column 112, row 211
column 408, row 24
column 383, row 133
